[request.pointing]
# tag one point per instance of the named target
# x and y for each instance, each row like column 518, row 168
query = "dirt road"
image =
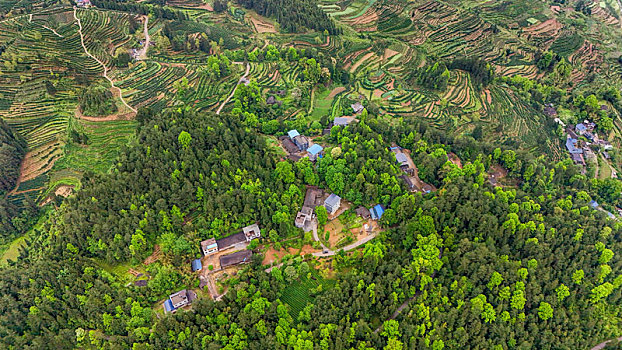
column 248, row 69
column 142, row 54
column 603, row 344
column 346, row 248
column 105, row 75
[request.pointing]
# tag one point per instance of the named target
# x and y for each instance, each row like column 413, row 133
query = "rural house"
column 376, row 212
column 342, row 121
column 179, row 299
column 363, row 212
column 357, row 107
column 299, row 140
column 402, row 159
column 315, row 151
column 209, row 247
column 303, row 218
column 571, row 145
column 251, row 232
column 332, row 203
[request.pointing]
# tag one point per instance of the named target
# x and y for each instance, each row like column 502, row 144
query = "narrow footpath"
column 142, row 55
column 105, row 75
column 248, row 69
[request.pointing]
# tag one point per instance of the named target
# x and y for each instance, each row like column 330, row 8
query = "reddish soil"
column 336, row 91
column 455, row 159
column 488, row 96
column 64, row 191
column 388, row 53
column 269, row 255
column 262, row 25
column 155, row 256
column 378, row 93
column 33, row 166
column 360, row 61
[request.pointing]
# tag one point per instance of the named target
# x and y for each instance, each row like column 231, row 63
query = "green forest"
column 310, row 175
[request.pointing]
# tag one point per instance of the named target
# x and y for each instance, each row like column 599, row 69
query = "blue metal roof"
column 571, row 145
column 196, row 265
column 293, row 133
column 168, row 305
column 581, row 127
column 315, row 149
column 376, row 212
column 593, row 204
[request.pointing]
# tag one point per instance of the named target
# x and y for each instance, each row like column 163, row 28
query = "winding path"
column 105, row 75
column 248, row 69
column 46, row 27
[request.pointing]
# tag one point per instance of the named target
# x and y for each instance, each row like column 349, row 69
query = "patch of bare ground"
column 336, row 91
column 455, row 159
column 271, row 255
column 262, row 25
column 155, row 256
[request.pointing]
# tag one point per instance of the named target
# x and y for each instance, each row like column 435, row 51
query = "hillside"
column 317, row 174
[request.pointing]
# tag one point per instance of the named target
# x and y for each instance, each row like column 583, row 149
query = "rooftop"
column 241, row 257
column 196, row 265
column 178, row 297
column 231, row 240
column 377, row 211
column 363, row 212
column 168, row 305
column 342, row 121
column 251, row 230
column 208, row 243
column 401, row 158
column 293, row 133
column 332, row 200
column 315, row 149
column 571, row 145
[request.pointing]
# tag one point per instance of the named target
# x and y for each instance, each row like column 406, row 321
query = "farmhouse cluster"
column 584, row 145
column 212, row 250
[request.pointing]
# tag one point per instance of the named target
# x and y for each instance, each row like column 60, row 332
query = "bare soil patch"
column 388, row 53
column 64, row 191
column 155, row 256
column 271, row 255
column 455, row 159
column 262, row 25
column 360, row 61
column 336, row 91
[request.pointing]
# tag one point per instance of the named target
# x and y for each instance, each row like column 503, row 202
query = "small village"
column 222, row 257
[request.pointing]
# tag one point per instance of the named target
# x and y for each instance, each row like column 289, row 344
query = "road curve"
column 603, row 344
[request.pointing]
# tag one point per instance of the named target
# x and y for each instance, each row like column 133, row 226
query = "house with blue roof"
column 179, row 299
column 376, row 212
column 594, row 204
column 299, row 140
column 571, row 145
column 315, row 152
column 292, row 134
column 197, row 265
column 580, row 128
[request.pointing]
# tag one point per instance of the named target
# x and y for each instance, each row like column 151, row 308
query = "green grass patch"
column 12, row 252
column 104, row 142
column 299, row 293
column 323, row 105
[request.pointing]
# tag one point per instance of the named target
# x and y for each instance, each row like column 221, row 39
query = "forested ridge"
column 12, row 150
column 294, row 15
column 478, row 267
